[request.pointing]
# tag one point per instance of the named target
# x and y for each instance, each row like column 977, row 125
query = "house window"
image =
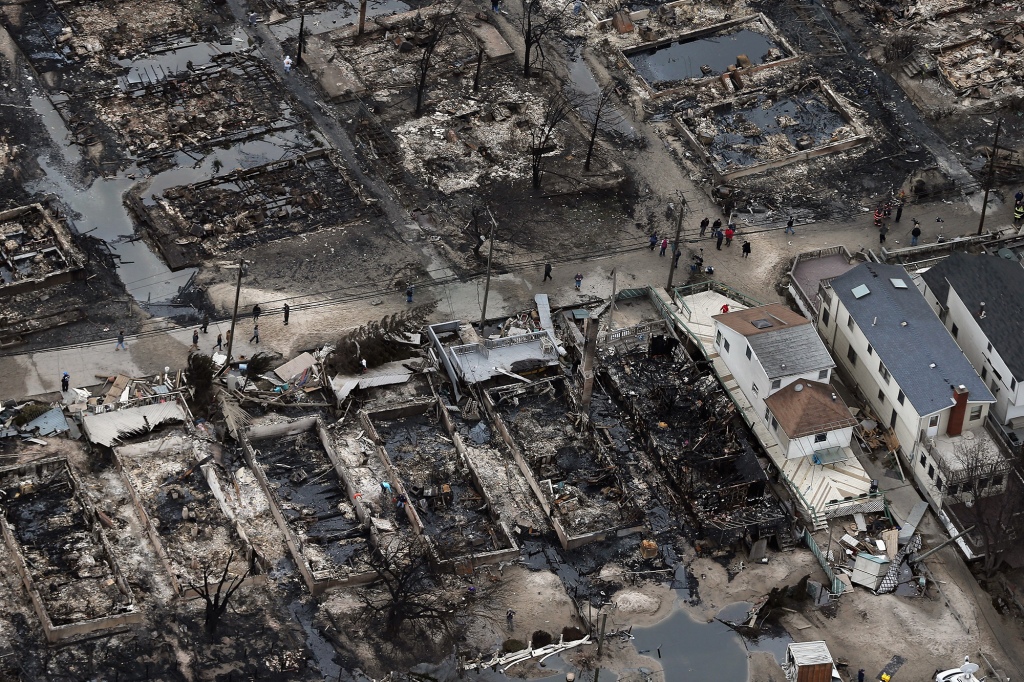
column 924, row 459
column 775, row 424
column 995, row 387
column 984, row 372
column 892, row 420
column 718, row 337
column 938, row 482
column 899, row 397
column 982, row 483
column 849, row 322
column 931, row 471
column 934, row 420
column 825, row 316
column 884, row 372
column 954, row 489
column 748, row 353
column 777, row 383
column 975, row 412
column 820, row 437
column 851, row 355
column 755, row 389
column 954, row 330
column 997, row 480
column 1013, row 384
column 990, row 348
column 767, row 414
column 822, row 375
column 725, row 345
column 881, row 396
column 871, row 351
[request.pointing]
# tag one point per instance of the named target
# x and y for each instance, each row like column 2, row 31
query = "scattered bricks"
column 743, row 61
column 621, row 22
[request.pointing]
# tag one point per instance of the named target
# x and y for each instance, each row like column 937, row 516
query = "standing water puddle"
column 682, row 60
column 690, row 649
column 154, row 67
column 582, row 82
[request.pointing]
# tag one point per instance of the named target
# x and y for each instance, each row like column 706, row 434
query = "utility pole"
column 679, row 230
column 362, row 16
column 611, row 308
column 234, row 315
column 479, row 65
column 302, row 30
column 991, row 175
column 487, row 285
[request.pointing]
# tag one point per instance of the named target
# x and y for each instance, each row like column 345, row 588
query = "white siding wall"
column 806, row 445
column 749, row 372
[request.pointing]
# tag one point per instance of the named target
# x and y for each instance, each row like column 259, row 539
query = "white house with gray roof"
column 906, row 365
column 980, row 300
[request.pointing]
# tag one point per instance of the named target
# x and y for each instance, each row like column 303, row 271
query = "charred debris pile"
column 689, row 425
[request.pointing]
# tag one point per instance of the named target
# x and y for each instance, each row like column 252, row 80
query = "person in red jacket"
column 729, row 232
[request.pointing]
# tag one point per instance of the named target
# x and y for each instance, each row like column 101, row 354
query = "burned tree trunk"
column 217, row 597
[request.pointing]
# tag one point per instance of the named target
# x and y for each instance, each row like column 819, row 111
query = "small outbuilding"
column 868, row 570
column 809, row 662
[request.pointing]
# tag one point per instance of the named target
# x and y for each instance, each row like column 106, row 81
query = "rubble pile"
column 455, row 513
column 314, row 502
column 580, row 480
column 171, row 487
column 250, row 206
column 34, row 245
column 690, row 426
column 64, row 551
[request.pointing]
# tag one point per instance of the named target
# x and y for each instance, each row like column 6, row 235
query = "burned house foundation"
column 36, row 251
column 578, row 484
column 327, row 526
column 177, row 493
column 59, row 549
column 439, row 486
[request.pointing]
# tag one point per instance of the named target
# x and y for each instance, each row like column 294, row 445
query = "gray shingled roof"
column 790, row 350
column 1000, row 284
column 907, row 351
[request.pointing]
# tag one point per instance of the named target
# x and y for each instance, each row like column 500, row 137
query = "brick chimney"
column 959, row 411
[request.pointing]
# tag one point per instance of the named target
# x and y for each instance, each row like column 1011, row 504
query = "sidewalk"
column 35, row 374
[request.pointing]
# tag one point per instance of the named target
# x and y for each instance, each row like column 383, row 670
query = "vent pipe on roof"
column 981, row 310
column 874, row 321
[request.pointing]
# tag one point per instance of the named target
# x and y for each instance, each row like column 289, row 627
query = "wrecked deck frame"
column 707, row 32
column 130, row 453
column 860, row 137
column 35, row 471
column 315, row 581
column 464, row 564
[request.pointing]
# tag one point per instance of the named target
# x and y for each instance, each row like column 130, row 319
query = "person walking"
column 729, row 232
column 579, row 280
column 255, row 334
column 286, row 310
column 206, row 322
column 287, row 64
column 195, row 339
column 915, row 234
column 408, row 294
column 675, row 258
column 899, row 211
column 65, row 382
column 789, row 227
column 664, row 246
column 746, row 249
column 220, row 341
column 227, row 338
column 704, row 226
column 495, row 5
column 881, row 233
column 121, row 345
column 1018, row 212
column 547, row 272
column 716, row 226
column 509, row 616
column 653, row 240
column 256, row 310
column 719, row 236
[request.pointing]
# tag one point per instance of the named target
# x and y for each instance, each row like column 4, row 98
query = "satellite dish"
column 969, row 668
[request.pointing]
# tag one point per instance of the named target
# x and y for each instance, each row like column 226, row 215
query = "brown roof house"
column 783, row 369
